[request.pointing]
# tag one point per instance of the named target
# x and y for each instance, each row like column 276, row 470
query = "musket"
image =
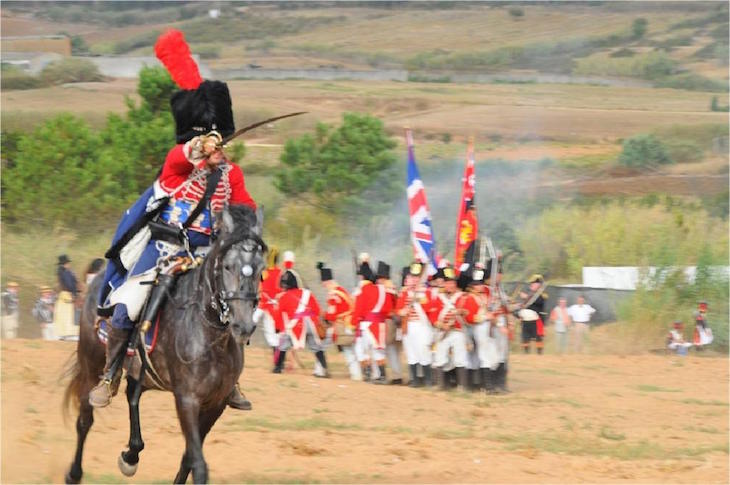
column 354, row 263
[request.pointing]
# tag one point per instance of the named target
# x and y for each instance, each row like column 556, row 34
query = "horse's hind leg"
column 129, row 460
column 83, row 425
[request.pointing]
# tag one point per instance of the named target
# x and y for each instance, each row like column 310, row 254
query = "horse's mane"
column 244, row 219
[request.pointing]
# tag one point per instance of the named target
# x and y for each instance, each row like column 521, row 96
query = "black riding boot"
column 413, row 375
column 323, row 363
column 280, row 362
column 116, row 348
column 462, row 379
column 381, row 379
column 427, row 376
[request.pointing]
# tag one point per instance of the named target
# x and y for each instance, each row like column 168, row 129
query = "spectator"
column 43, row 312
column 581, row 314
column 93, row 269
column 65, row 313
column 675, row 339
column 703, row 333
column 562, row 321
column 10, row 310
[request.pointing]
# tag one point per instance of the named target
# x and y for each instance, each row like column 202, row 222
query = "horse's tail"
column 72, row 369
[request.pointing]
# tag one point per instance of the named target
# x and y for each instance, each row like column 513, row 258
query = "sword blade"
column 257, row 124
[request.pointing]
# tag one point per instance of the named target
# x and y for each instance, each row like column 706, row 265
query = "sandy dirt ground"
column 569, row 419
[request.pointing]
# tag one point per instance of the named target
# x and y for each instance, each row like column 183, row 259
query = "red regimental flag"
column 466, row 224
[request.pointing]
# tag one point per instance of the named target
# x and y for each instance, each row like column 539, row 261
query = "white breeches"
column 453, row 343
column 417, row 342
column 353, row 365
column 472, row 351
column 270, row 335
column 492, row 349
column 393, row 353
column 366, row 346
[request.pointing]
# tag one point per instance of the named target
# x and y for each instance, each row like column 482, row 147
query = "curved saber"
column 256, row 125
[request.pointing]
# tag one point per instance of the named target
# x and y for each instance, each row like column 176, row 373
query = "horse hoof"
column 70, row 479
column 126, row 469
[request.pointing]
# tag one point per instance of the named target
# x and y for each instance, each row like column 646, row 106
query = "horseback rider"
column 177, row 215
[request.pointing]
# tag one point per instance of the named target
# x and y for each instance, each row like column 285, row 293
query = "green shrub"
column 14, row 78
column 639, row 27
column 715, row 105
column 516, row 12
column 692, row 82
column 644, row 151
column 70, row 70
column 683, row 151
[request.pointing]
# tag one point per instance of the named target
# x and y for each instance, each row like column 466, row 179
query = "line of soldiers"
column 454, row 329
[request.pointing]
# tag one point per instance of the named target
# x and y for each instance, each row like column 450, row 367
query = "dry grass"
column 566, row 113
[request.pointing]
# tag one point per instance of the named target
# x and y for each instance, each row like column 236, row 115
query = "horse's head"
column 238, row 261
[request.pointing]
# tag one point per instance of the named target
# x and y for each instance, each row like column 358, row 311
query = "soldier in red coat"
column 268, row 305
column 394, row 336
column 449, row 319
column 339, row 315
column 372, row 306
column 412, row 306
column 300, row 314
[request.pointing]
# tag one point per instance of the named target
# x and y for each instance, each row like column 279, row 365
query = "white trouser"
column 489, row 354
column 312, row 343
column 472, row 349
column 10, row 325
column 353, row 365
column 47, row 332
column 270, row 335
column 455, row 342
column 417, row 342
column 366, row 346
column 393, row 353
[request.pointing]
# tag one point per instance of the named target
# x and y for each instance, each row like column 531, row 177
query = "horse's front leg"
column 129, row 460
column 188, row 409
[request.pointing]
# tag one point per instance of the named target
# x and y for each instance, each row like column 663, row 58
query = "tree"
column 335, row 167
column 639, row 27
column 642, row 151
column 65, row 173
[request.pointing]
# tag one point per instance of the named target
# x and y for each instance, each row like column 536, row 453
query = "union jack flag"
column 422, row 235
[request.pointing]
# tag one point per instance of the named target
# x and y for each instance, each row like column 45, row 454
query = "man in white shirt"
column 580, row 313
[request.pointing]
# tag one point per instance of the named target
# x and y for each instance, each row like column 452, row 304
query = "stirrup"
column 103, row 385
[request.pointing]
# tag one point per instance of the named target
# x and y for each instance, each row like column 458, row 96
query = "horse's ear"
column 259, row 229
column 228, row 224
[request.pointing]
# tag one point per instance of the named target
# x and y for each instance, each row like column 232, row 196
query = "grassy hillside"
column 485, row 37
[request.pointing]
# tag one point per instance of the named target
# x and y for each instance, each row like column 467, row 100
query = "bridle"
column 219, row 300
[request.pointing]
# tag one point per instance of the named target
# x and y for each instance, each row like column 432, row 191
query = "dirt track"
column 571, row 419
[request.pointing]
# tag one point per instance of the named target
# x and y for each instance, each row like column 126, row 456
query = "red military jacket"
column 339, row 306
column 471, row 304
column 270, row 289
column 183, row 180
column 444, row 311
column 298, row 307
column 374, row 303
column 411, row 310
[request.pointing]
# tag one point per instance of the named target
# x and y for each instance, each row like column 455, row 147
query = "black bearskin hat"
column 288, row 281
column 365, row 271
column 200, row 106
column 325, row 274
column 383, row 270
column 200, row 111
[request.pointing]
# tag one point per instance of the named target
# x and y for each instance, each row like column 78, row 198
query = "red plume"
column 172, row 50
